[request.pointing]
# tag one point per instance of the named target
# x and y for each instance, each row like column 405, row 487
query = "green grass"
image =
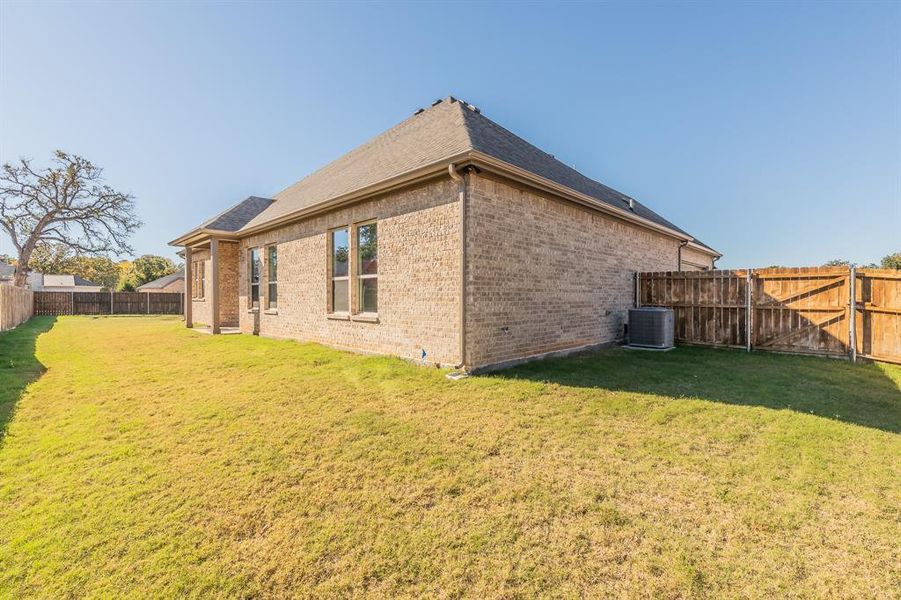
column 148, row 460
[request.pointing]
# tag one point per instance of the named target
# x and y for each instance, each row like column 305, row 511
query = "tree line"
column 119, row 275
column 890, row 261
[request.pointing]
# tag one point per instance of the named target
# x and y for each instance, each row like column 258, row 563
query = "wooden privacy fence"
column 16, row 306
column 803, row 310
column 107, row 303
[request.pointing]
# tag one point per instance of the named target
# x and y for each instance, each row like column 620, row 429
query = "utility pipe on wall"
column 461, row 194
column 681, row 245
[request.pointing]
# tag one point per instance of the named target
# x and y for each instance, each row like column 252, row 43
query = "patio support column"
column 189, row 293
column 214, row 284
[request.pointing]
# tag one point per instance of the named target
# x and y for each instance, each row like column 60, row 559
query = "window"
column 253, row 272
column 368, row 264
column 272, row 282
column 198, row 277
column 339, row 271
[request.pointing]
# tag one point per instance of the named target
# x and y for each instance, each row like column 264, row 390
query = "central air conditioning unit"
column 651, row 327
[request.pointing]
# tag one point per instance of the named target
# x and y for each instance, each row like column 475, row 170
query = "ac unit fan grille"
column 651, row 327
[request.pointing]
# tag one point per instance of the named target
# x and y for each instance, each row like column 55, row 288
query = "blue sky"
column 771, row 131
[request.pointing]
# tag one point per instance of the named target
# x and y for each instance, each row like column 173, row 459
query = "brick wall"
column 200, row 308
column 228, row 286
column 418, row 283
column 228, row 283
column 693, row 260
column 544, row 275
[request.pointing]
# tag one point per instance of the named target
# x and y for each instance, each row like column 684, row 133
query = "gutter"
column 695, row 246
column 201, row 233
column 506, row 169
column 430, row 171
column 388, row 184
column 679, row 255
column 461, row 186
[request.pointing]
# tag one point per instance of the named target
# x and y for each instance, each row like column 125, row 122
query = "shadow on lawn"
column 863, row 394
column 18, row 365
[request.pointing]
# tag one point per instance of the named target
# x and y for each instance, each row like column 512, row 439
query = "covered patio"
column 212, row 267
column 211, row 284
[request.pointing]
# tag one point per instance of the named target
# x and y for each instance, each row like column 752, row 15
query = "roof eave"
column 488, row 162
column 202, row 234
column 388, row 184
column 425, row 172
column 696, row 246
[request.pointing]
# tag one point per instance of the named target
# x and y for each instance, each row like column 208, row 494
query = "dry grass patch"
column 150, row 460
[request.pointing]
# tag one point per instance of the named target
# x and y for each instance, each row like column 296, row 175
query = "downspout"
column 681, row 245
column 461, row 195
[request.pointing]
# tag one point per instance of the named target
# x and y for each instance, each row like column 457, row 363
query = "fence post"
column 749, row 308
column 852, row 325
column 111, row 302
column 71, row 303
column 147, row 297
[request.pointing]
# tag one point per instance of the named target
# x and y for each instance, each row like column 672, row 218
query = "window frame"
column 331, row 270
column 250, row 283
column 359, row 276
column 269, row 281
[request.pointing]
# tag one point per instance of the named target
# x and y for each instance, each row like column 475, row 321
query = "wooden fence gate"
column 803, row 310
column 107, row 303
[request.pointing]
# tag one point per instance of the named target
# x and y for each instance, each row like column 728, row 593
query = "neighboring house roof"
column 449, row 128
column 67, row 281
column 7, row 271
column 162, row 282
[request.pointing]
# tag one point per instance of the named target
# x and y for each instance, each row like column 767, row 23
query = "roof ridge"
column 637, row 207
column 449, row 127
column 394, row 130
column 493, row 123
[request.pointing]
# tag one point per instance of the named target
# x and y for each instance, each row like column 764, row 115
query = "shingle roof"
column 449, row 127
column 83, row 281
column 423, row 139
column 7, row 271
column 238, row 215
column 67, row 281
column 163, row 281
column 492, row 139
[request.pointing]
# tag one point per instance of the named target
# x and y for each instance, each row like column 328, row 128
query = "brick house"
column 447, row 236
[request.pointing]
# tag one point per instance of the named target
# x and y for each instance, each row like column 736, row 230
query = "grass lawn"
column 149, row 460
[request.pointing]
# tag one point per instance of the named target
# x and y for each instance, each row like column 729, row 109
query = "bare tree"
column 68, row 204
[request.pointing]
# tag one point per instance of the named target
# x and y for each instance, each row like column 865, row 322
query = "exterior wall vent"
column 651, row 327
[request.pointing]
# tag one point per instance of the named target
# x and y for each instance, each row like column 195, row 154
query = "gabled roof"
column 423, row 139
column 238, row 215
column 448, row 130
column 67, row 281
column 230, row 220
column 163, row 281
